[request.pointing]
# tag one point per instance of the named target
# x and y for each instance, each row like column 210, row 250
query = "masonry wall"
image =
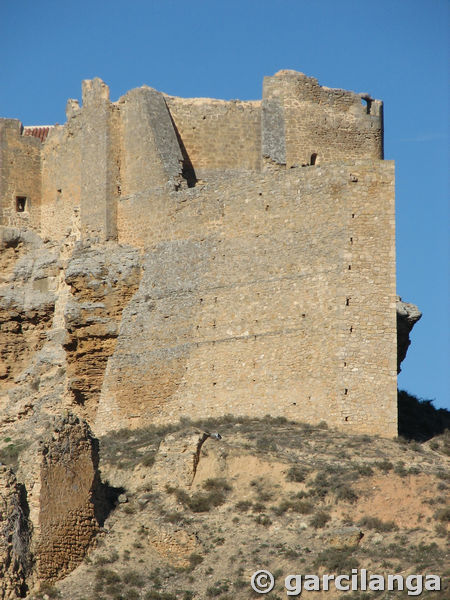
column 61, row 181
column 217, row 134
column 20, row 175
column 268, row 286
column 302, row 118
column 243, row 303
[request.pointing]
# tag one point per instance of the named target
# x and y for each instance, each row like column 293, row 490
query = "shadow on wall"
column 418, row 419
column 105, row 497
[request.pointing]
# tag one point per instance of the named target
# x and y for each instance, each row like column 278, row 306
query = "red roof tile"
column 40, row 132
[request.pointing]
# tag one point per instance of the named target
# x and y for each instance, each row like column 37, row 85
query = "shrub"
column 107, row 576
column 345, row 493
column 364, row 470
column 443, row 515
column 195, row 560
column 297, row 474
column 219, row 588
column 400, row 469
column 295, row 505
column 320, row 519
column 244, row 505
column 155, row 595
column 384, row 465
column 337, row 560
column 263, row 520
column 148, row 459
column 377, row 524
column 441, row 530
column 266, row 443
column 215, row 495
column 9, row 455
column 133, row 579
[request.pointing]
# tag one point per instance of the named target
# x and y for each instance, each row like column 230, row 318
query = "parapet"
column 304, row 123
column 150, row 141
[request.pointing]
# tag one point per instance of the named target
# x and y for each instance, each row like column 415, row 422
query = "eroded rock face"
column 14, row 537
column 407, row 316
column 102, row 280
column 28, row 272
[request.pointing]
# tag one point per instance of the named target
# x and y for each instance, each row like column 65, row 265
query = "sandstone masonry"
column 214, row 256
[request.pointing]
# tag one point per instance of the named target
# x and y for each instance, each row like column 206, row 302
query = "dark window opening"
column 21, row 203
column 313, row 158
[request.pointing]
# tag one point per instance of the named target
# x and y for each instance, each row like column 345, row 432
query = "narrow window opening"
column 313, row 158
column 367, row 103
column 345, row 418
column 351, row 240
column 21, row 203
column 345, row 391
column 349, row 267
column 347, row 302
column 353, row 215
column 351, row 329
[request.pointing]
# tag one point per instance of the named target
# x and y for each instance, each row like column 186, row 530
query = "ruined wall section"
column 20, row 176
column 61, row 179
column 218, row 134
column 62, row 501
column 242, row 304
column 302, row 119
column 100, row 163
column 14, row 537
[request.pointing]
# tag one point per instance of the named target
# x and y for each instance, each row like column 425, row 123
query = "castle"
column 259, row 240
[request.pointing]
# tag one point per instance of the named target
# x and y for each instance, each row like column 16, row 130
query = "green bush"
column 443, row 515
column 320, row 519
column 377, row 524
column 244, row 505
column 297, row 474
column 345, row 493
column 384, row 465
column 337, row 560
column 213, row 496
column 263, row 520
column 294, row 505
column 133, row 579
column 219, row 588
column 195, row 560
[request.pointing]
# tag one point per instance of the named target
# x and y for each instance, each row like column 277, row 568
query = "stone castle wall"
column 268, row 286
column 257, row 298
column 20, row 176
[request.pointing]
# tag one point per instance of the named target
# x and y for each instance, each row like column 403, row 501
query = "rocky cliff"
column 62, row 307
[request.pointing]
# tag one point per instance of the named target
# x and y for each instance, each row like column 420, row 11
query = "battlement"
column 268, row 235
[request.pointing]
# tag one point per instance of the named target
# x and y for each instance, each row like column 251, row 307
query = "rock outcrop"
column 407, row 316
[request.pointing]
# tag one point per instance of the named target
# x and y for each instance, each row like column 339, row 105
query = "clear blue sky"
column 397, row 50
